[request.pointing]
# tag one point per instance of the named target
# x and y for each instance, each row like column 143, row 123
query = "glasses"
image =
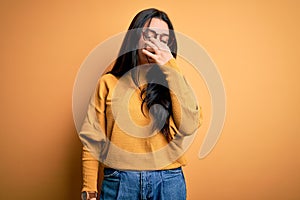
column 164, row 38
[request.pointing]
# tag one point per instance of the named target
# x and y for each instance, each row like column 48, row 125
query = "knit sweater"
column 117, row 131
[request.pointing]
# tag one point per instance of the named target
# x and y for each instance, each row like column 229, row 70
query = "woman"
column 137, row 119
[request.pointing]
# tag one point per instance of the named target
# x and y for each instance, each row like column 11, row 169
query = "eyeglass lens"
column 148, row 33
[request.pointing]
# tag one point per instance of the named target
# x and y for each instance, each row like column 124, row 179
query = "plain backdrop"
column 255, row 45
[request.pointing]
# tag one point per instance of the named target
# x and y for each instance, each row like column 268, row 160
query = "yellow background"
column 255, row 45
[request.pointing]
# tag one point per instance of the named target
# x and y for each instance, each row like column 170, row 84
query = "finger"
column 153, row 46
column 160, row 45
column 148, row 53
column 150, row 49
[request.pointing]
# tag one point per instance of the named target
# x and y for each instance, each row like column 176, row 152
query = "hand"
column 161, row 54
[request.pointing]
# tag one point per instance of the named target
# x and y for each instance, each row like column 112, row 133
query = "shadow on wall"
column 74, row 173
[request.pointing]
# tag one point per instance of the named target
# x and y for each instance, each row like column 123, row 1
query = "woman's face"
column 157, row 27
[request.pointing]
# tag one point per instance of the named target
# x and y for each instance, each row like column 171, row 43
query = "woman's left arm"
column 187, row 114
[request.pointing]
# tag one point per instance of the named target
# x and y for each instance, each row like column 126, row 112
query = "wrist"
column 89, row 195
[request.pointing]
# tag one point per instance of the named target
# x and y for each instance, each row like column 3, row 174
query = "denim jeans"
column 143, row 185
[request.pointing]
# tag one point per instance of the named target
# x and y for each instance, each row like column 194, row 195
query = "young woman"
column 138, row 117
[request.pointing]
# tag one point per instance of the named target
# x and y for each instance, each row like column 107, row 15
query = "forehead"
column 158, row 25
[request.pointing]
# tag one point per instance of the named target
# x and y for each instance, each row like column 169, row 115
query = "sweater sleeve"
column 90, row 167
column 187, row 115
column 92, row 135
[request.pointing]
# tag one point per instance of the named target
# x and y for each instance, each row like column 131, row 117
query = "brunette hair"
column 127, row 59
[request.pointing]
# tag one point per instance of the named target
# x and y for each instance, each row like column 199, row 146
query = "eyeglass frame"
column 170, row 39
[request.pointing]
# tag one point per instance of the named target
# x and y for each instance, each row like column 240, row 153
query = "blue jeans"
column 143, row 185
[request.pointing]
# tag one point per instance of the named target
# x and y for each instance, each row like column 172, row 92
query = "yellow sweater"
column 118, row 134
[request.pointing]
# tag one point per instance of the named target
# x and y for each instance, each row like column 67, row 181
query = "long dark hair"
column 127, row 59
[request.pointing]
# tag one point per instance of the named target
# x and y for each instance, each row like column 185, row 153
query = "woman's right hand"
column 158, row 51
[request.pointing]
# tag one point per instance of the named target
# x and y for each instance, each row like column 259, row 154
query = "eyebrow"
column 158, row 33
